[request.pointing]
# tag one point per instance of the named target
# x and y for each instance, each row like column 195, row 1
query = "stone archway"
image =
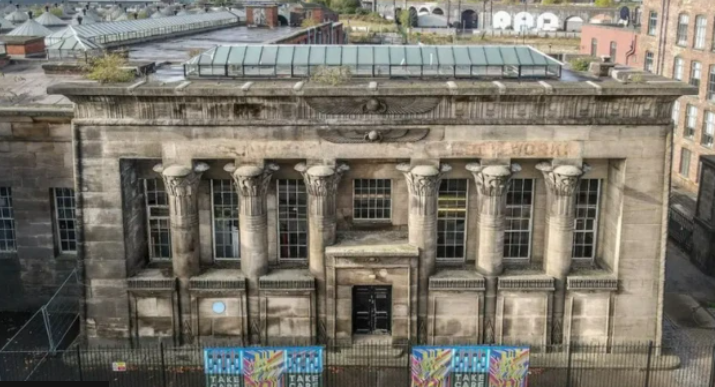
column 573, row 24
column 437, row 11
column 469, row 20
column 282, row 20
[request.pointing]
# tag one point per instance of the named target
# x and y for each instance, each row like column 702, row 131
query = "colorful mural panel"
column 469, row 366
column 263, row 367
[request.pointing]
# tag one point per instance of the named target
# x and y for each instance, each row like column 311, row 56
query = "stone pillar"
column 492, row 182
column 252, row 185
column 423, row 185
column 182, row 186
column 321, row 183
column 561, row 183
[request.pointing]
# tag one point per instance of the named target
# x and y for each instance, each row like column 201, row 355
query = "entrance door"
column 372, row 309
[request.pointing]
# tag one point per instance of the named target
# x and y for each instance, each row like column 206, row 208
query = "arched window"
column 594, row 46
column 701, row 26
column 683, row 21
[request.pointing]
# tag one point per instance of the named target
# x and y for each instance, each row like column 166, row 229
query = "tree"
column 604, row 3
column 308, row 22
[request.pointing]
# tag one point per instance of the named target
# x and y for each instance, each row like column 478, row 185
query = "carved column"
column 492, row 183
column 182, row 185
column 423, row 185
column 561, row 183
column 252, row 185
column 321, row 183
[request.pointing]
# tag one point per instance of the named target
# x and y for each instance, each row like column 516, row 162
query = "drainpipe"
column 632, row 51
column 663, row 36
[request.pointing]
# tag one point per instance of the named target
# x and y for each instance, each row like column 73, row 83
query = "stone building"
column 522, row 204
column 677, row 41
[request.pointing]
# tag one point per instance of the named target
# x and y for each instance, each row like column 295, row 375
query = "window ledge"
column 8, row 255
column 372, row 221
column 66, row 257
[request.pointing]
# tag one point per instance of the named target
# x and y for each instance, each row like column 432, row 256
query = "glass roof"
column 92, row 31
column 358, row 57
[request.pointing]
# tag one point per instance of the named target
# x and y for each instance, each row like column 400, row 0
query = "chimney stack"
column 79, row 20
column 29, row 14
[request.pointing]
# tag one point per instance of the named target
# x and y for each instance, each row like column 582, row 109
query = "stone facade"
column 662, row 42
column 302, row 259
column 36, row 156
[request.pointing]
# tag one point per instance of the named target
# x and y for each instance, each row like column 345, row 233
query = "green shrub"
column 550, row 2
column 109, row 69
column 581, row 63
column 604, row 3
column 57, row 12
column 332, row 76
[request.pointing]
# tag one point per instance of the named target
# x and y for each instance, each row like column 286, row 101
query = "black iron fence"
column 373, row 365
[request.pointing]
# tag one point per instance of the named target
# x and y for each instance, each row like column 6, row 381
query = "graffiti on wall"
column 471, row 366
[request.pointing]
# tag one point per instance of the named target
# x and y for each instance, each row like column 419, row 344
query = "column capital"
column 252, row 182
column 180, row 180
column 561, row 180
column 492, row 180
column 423, row 185
column 321, row 183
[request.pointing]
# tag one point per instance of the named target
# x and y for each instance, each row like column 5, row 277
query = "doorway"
column 372, row 310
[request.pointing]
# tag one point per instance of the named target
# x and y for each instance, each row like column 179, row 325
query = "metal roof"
column 47, row 19
column 420, row 60
column 75, row 43
column 30, row 28
column 130, row 29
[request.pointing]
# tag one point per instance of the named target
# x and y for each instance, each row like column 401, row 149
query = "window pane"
column 586, row 220
column 157, row 210
column 451, row 219
column 7, row 221
column 684, row 162
column 517, row 232
column 292, row 220
column 372, row 199
column 682, row 37
column 65, row 220
column 225, row 220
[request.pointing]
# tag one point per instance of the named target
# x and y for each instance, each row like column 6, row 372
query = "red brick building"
column 677, row 41
column 599, row 40
column 24, row 46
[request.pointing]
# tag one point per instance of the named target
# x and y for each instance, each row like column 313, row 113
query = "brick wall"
column 665, row 48
column 326, row 33
column 271, row 13
column 625, row 39
column 26, row 49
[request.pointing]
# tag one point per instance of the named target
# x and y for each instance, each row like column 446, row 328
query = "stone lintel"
column 366, row 251
column 457, row 279
column 287, row 279
column 151, row 279
column 537, row 282
column 594, row 282
column 219, row 279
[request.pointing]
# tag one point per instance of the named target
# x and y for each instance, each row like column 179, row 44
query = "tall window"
column 225, row 220
column 7, row 221
column 652, row 23
column 292, row 220
column 65, row 220
column 682, row 37
column 157, row 213
column 648, row 62
column 684, row 162
column 517, row 231
column 701, row 27
column 594, row 47
column 451, row 219
column 612, row 51
column 691, row 117
column 676, row 113
column 711, row 84
column 586, row 221
column 696, row 70
column 372, row 199
column 706, row 139
column 678, row 69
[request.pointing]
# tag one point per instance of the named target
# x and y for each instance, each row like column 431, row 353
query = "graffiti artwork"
column 263, row 367
column 472, row 366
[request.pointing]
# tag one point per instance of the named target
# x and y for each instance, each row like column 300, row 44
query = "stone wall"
column 620, row 131
column 36, row 156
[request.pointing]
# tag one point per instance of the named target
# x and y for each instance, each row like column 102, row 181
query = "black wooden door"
column 372, row 307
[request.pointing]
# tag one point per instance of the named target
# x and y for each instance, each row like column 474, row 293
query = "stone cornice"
column 520, row 283
column 150, row 284
column 215, row 284
column 592, row 283
column 473, row 284
column 286, row 284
